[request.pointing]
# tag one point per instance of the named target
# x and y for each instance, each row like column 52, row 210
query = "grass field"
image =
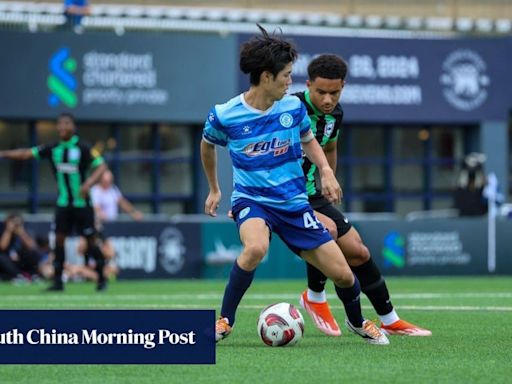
column 471, row 321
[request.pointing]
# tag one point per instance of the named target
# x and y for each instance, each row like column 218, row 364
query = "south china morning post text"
column 147, row 340
column 107, row 337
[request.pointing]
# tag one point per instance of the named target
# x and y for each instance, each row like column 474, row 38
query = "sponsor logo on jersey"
column 278, row 147
column 67, row 168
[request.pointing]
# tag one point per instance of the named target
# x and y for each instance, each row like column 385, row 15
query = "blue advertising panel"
column 451, row 80
column 102, row 76
column 144, row 249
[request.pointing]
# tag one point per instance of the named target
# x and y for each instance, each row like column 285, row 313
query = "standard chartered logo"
column 61, row 82
column 394, row 250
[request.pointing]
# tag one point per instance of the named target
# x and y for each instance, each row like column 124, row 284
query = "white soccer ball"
column 280, row 324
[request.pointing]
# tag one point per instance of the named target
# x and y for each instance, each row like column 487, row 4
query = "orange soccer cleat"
column 222, row 329
column 321, row 315
column 403, row 328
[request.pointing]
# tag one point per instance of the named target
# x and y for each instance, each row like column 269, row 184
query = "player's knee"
column 363, row 253
column 333, row 231
column 254, row 253
column 357, row 254
column 343, row 278
column 256, row 250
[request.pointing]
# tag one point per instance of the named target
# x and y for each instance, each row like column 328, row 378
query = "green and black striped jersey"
column 71, row 161
column 326, row 128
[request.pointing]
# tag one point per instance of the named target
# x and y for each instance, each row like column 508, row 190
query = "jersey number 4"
column 311, row 221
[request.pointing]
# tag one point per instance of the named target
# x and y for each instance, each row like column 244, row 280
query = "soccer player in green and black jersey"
column 72, row 160
column 326, row 79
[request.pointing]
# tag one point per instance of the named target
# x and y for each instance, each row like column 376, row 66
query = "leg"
column 316, row 279
column 254, row 235
column 314, row 299
column 94, row 250
column 58, row 262
column 373, row 284
column 84, row 220
column 8, row 269
column 329, row 259
column 63, row 226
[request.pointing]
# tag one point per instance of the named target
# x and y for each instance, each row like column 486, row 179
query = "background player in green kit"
column 77, row 167
column 326, row 78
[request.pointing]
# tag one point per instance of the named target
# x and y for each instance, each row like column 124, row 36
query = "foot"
column 55, row 287
column 403, row 328
column 370, row 332
column 321, row 315
column 222, row 329
column 101, row 286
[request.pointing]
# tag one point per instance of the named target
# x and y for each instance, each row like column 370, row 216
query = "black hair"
column 42, row 241
column 67, row 115
column 13, row 215
column 327, row 66
column 265, row 53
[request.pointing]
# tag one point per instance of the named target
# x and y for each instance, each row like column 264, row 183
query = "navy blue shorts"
column 301, row 230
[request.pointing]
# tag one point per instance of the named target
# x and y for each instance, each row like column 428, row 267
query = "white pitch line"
column 249, row 296
column 464, row 308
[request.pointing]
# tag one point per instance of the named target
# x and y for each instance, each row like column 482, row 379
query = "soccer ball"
column 280, row 324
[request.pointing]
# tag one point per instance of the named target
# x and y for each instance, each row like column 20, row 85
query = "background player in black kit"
column 326, row 75
column 77, row 167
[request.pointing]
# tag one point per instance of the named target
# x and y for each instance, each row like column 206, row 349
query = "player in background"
column 326, row 75
column 71, row 160
column 263, row 129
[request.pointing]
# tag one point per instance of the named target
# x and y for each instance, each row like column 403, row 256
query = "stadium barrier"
column 199, row 247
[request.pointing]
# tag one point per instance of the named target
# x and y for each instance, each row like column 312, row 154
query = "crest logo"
column 286, row 120
column 172, row 250
column 465, row 79
column 329, row 127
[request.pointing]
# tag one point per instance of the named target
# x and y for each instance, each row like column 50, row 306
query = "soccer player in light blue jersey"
column 265, row 131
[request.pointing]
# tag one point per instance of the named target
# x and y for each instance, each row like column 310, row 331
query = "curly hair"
column 327, row 66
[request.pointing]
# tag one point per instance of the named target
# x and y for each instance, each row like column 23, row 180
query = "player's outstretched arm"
column 209, row 160
column 17, row 154
column 330, row 186
column 92, row 179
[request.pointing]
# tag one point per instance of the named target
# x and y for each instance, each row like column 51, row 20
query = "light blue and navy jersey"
column 265, row 149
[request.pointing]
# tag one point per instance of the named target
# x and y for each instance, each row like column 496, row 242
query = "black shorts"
column 81, row 220
column 322, row 205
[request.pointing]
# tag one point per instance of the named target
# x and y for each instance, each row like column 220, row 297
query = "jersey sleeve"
column 306, row 135
column 96, row 158
column 42, row 151
column 214, row 132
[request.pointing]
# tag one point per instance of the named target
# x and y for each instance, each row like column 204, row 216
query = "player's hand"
column 84, row 191
column 137, row 215
column 212, row 203
column 10, row 225
column 331, row 189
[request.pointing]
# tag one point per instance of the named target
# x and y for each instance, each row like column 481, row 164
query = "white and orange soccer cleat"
column 222, row 329
column 403, row 328
column 321, row 315
column 370, row 332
